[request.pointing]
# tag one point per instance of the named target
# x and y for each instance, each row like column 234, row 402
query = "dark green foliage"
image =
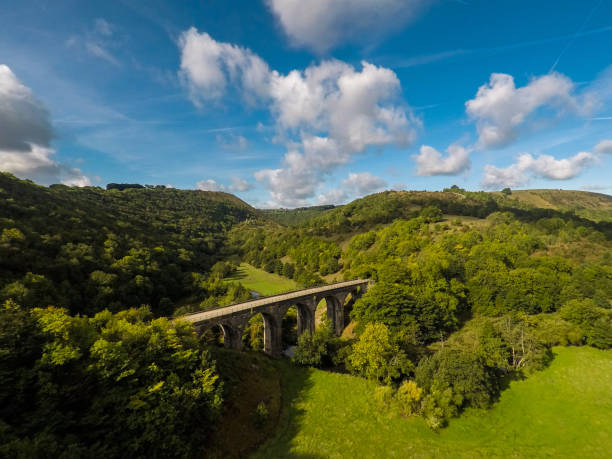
column 88, row 249
column 595, row 322
column 122, row 385
column 293, row 217
column 431, row 214
column 123, row 186
column 317, row 349
column 454, row 379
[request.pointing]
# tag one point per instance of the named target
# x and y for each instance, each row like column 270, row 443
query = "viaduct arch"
column 233, row 319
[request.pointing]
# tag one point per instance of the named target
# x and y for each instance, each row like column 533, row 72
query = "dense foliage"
column 470, row 290
column 114, row 385
column 461, row 304
column 88, row 249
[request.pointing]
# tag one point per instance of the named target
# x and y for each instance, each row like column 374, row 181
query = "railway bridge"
column 233, row 319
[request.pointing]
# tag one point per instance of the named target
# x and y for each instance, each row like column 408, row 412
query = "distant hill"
column 292, row 217
column 595, row 206
column 386, row 206
column 90, row 248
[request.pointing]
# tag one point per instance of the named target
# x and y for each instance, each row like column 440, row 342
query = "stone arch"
column 272, row 334
column 335, row 311
column 232, row 336
column 305, row 317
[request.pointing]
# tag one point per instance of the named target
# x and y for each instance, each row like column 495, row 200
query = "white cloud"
column 324, row 114
column 25, row 136
column 239, row 184
column 556, row 169
column 496, row 177
column 605, row 146
column 23, row 119
column 431, row 162
column 209, row 185
column 38, row 165
column 288, row 187
column 322, row 24
column 544, row 166
column 335, row 196
column 364, row 183
column 500, row 108
column 356, row 184
column 207, row 66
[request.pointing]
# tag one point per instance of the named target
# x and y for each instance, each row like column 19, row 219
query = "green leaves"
column 376, row 356
column 115, row 385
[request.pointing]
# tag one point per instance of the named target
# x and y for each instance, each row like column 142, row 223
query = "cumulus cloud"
column 431, row 162
column 38, row 165
column 544, row 166
column 356, row 184
column 500, row 108
column 364, row 183
column 321, row 25
column 335, row 196
column 25, row 136
column 603, row 147
column 209, row 185
column 207, row 66
column 239, row 184
column 324, row 114
column 24, row 120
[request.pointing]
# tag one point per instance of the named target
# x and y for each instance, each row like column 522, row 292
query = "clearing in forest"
column 262, row 282
column 562, row 411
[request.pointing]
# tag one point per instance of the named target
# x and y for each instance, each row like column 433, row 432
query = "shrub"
column 376, row 356
column 261, row 415
column 408, row 398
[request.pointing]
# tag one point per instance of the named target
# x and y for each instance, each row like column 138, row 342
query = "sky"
column 288, row 103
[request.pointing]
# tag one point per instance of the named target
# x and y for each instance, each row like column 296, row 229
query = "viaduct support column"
column 272, row 334
column 306, row 317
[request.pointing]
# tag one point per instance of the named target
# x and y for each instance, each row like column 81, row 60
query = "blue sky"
column 290, row 103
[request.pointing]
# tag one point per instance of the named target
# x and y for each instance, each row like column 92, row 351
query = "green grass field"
column 563, row 411
column 262, row 282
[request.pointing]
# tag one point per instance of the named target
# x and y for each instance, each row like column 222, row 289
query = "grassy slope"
column 596, row 206
column 261, row 281
column 293, row 217
column 248, row 379
column 564, row 411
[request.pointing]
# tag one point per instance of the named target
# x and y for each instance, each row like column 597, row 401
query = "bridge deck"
column 229, row 310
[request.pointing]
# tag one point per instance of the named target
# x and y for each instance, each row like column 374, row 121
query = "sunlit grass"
column 262, row 282
column 563, row 411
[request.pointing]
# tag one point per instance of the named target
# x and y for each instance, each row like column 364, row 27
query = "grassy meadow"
column 563, row 411
column 262, row 282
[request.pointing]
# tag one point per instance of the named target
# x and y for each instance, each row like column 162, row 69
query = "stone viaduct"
column 233, row 319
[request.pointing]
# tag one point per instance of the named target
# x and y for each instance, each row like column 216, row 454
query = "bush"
column 376, row 356
column 317, row 349
column 408, row 398
column 261, row 415
column 470, row 381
